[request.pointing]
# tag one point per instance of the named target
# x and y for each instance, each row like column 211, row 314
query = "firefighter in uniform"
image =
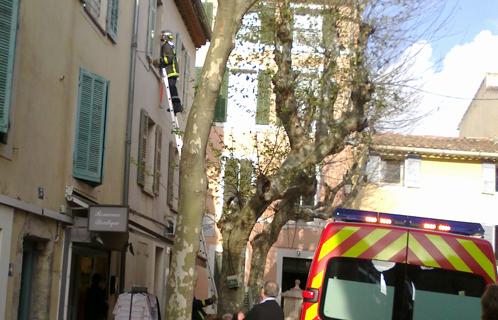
column 169, row 63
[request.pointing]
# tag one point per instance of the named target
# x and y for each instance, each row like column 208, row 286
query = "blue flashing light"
column 451, row 226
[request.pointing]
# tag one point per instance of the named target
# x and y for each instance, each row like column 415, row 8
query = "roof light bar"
column 458, row 227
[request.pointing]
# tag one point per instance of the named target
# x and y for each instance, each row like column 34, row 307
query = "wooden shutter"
column 220, row 112
column 412, row 172
column 142, row 147
column 208, row 8
column 186, row 79
column 171, row 173
column 8, row 21
column 112, row 18
column 267, row 20
column 263, row 102
column 488, row 178
column 90, row 127
column 151, row 27
column 157, row 160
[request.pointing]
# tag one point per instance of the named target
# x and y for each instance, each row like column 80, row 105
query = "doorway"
column 29, row 255
column 294, row 269
column 85, row 263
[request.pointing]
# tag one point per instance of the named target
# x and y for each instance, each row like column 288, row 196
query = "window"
column 105, row 14
column 263, row 102
column 90, row 127
column 391, row 171
column 489, row 174
column 149, row 155
column 151, row 28
column 412, row 172
column 8, row 16
column 220, row 112
column 112, row 18
column 383, row 170
column 388, row 290
column 93, row 8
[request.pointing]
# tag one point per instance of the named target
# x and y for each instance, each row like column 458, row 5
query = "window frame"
column 151, row 28
column 149, row 155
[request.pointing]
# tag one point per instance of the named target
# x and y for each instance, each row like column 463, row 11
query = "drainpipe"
column 129, row 122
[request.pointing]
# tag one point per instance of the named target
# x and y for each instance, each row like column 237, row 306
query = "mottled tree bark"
column 193, row 180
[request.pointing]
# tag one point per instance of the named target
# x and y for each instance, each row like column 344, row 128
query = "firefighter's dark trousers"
column 177, row 104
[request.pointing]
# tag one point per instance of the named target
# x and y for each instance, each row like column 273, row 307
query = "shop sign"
column 108, row 218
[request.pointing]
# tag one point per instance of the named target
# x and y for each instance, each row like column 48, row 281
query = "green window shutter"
column 151, row 27
column 208, row 8
column 157, row 160
column 198, row 72
column 263, row 103
column 171, row 173
column 8, row 25
column 220, row 111
column 142, row 147
column 245, row 177
column 186, row 79
column 90, row 127
column 267, row 20
column 112, row 18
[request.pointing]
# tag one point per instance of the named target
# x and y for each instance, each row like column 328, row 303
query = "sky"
column 451, row 68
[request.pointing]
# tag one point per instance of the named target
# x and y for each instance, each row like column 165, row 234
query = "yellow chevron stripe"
column 311, row 312
column 393, row 248
column 421, row 253
column 334, row 241
column 479, row 257
column 448, row 253
column 317, row 280
column 366, row 242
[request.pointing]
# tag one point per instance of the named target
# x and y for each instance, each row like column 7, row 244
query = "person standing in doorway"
column 96, row 302
column 169, row 62
column 268, row 308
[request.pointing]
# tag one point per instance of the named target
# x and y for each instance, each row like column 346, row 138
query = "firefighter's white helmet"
column 166, row 35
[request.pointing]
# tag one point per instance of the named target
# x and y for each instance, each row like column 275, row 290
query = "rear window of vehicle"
column 355, row 289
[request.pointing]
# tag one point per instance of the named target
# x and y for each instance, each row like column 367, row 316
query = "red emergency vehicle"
column 372, row 265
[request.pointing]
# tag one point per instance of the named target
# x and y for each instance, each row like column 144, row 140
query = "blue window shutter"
column 112, row 18
column 90, row 127
column 220, row 111
column 151, row 28
column 8, row 23
column 263, row 102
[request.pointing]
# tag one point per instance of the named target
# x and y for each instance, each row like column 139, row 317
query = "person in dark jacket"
column 198, row 305
column 268, row 308
column 96, row 304
column 489, row 303
column 169, row 62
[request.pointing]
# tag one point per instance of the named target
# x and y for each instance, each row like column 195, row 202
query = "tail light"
column 310, row 295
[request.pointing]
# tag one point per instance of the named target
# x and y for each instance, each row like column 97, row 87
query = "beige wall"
column 481, row 117
column 448, row 190
column 53, row 41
